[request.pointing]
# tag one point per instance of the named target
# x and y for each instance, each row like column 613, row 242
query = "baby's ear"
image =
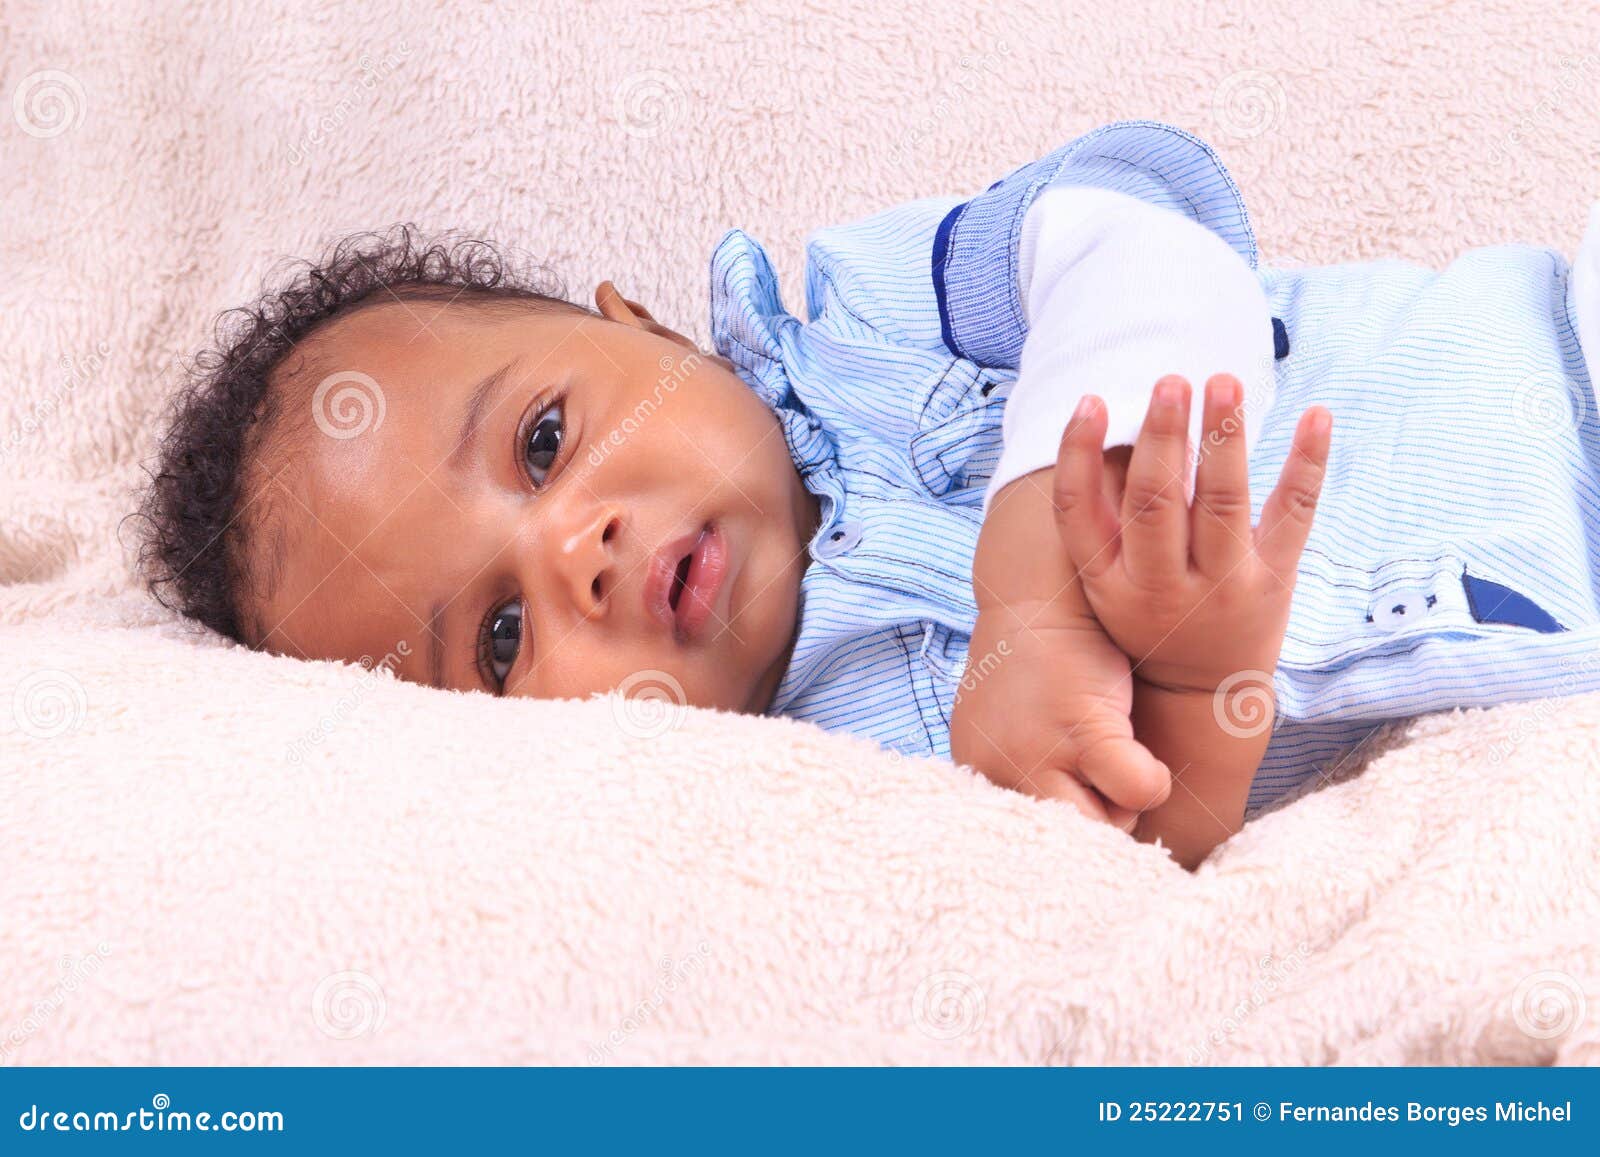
column 614, row 307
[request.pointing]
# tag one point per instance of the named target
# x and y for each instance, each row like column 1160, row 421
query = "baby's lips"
column 661, row 577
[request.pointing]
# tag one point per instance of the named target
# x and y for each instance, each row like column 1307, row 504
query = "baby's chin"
column 784, row 612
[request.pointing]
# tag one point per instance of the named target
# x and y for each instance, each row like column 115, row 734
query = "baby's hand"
column 1045, row 703
column 1193, row 594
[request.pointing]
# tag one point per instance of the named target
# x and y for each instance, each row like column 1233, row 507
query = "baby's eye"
column 499, row 641
column 544, row 443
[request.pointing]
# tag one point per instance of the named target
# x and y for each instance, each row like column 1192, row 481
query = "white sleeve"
column 1119, row 293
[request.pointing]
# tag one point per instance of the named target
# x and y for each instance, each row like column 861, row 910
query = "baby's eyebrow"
column 472, row 416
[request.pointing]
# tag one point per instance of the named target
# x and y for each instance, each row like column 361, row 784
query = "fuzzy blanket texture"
column 213, row 856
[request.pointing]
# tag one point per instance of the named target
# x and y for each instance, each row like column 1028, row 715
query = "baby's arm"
column 1117, row 292
column 1212, row 767
column 1194, row 594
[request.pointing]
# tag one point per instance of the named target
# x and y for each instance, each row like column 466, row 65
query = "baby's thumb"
column 1122, row 769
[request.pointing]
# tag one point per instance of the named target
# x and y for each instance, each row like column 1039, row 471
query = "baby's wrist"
column 1206, row 678
column 1236, row 695
column 1168, row 680
column 1016, row 563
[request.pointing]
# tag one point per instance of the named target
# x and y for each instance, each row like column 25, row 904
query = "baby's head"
column 420, row 450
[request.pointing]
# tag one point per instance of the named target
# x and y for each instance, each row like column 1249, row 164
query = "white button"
column 1399, row 609
column 840, row 540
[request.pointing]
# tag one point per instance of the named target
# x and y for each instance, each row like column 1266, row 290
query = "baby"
column 968, row 506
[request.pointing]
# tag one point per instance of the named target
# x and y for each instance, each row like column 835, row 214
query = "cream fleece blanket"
column 215, row 856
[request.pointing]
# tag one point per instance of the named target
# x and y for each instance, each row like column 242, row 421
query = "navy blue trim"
column 941, row 255
column 1280, row 339
column 1490, row 602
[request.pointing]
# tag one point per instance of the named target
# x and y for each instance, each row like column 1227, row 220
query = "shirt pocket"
column 1345, row 613
column 958, row 434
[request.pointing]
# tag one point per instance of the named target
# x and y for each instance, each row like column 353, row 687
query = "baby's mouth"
column 686, row 577
column 679, row 578
column 685, row 581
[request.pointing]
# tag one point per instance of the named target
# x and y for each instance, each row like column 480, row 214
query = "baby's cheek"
column 580, row 668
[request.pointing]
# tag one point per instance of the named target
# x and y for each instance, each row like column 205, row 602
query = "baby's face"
column 553, row 504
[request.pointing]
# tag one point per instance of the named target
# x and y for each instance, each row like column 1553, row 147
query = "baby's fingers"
column 1084, row 515
column 1291, row 508
column 1155, row 508
column 1220, row 518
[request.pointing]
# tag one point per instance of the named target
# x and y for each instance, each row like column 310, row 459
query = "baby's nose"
column 587, row 559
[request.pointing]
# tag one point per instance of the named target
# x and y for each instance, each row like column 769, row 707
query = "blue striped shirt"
column 1451, row 564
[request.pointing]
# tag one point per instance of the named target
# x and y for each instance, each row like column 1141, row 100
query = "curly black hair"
column 196, row 550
